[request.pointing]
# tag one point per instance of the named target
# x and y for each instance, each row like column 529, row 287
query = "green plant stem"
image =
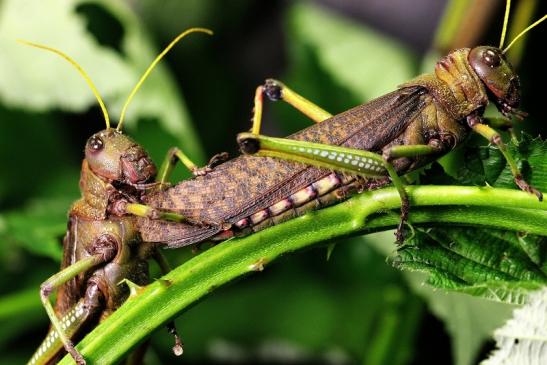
column 166, row 298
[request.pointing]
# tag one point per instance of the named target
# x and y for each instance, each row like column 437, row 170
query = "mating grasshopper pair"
column 124, row 216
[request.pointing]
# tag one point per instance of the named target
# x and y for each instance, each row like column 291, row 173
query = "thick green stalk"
column 371, row 211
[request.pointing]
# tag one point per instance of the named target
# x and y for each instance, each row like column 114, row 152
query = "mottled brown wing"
column 246, row 184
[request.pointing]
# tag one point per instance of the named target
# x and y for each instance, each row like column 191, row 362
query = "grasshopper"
column 422, row 120
column 363, row 148
column 102, row 247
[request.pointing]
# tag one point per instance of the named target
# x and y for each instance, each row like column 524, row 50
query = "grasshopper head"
column 498, row 76
column 116, row 157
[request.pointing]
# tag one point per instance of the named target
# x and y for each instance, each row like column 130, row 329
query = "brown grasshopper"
column 102, row 247
column 360, row 149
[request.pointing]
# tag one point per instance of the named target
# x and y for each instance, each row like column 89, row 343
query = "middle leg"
column 165, row 268
column 275, row 91
column 475, row 122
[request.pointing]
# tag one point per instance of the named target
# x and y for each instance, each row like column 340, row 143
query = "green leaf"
column 496, row 265
column 536, row 249
column 484, row 263
column 32, row 79
column 466, row 259
column 482, row 165
column 39, row 227
column 499, row 274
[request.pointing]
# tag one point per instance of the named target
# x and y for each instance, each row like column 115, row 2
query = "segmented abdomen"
column 321, row 193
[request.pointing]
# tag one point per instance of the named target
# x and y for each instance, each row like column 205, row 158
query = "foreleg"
column 475, row 122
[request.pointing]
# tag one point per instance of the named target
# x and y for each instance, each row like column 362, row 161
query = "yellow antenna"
column 80, row 70
column 153, row 64
column 524, row 32
column 505, row 22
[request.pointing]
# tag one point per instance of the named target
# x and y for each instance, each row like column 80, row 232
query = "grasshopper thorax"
column 496, row 73
column 114, row 156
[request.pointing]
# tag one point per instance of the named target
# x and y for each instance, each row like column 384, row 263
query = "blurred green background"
column 353, row 308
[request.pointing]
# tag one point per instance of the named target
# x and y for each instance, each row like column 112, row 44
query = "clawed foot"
column 178, row 348
column 399, row 233
column 75, row 354
column 273, row 89
column 214, row 161
column 524, row 186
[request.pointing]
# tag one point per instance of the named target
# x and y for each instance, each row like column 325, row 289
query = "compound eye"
column 491, row 58
column 95, row 143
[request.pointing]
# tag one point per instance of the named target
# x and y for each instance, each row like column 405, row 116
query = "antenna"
column 505, row 22
column 533, row 25
column 80, row 70
column 152, row 65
